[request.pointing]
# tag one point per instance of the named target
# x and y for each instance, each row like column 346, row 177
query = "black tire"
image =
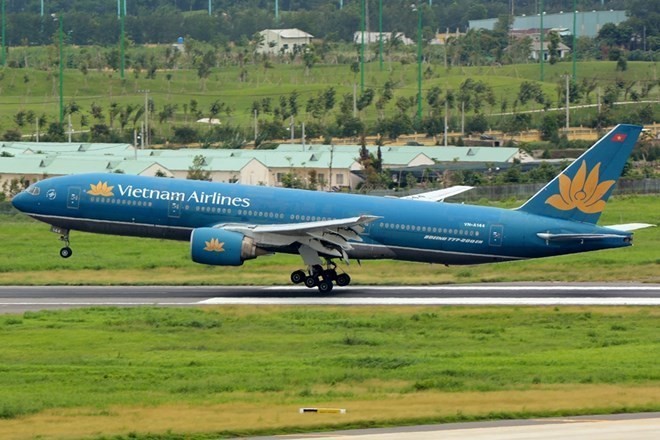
column 311, row 282
column 66, row 252
column 330, row 274
column 325, row 286
column 298, row 277
column 343, row 279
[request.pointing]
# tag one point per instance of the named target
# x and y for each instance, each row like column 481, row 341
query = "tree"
column 55, row 132
column 476, row 124
column 553, row 47
column 204, row 66
column 530, row 91
column 12, row 135
column 517, row 123
column 309, row 59
column 196, row 171
column 550, row 128
column 365, row 99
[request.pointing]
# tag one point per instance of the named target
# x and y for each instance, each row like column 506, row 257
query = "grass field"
column 159, row 373
column 29, row 255
column 30, row 89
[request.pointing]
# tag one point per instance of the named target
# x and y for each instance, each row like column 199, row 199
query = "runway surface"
column 15, row 299
column 642, row 426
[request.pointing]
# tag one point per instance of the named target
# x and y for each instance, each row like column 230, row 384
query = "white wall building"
column 276, row 41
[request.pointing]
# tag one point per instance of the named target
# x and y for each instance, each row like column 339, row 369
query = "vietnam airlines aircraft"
column 227, row 224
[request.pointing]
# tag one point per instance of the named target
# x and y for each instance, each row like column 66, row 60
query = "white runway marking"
column 486, row 288
column 437, row 301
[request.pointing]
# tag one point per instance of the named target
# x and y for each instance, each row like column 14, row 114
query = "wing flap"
column 325, row 237
column 349, row 226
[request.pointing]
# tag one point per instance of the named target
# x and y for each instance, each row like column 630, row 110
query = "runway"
column 16, row 299
column 641, row 426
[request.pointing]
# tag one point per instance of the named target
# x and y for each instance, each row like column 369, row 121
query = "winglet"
column 581, row 191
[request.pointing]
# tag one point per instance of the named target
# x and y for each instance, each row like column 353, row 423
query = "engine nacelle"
column 218, row 247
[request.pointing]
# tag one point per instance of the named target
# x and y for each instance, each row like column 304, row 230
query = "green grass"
column 29, row 255
column 30, row 89
column 126, row 369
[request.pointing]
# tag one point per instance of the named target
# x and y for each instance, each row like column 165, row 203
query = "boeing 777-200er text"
column 227, row 224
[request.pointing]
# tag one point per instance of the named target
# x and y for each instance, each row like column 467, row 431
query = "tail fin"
column 581, row 191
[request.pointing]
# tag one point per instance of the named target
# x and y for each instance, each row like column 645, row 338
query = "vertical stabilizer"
column 581, row 191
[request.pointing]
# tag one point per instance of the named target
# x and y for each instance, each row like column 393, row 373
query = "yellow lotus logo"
column 214, row 245
column 100, row 189
column 583, row 192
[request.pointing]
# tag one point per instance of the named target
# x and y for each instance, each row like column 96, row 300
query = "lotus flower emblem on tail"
column 214, row 245
column 584, row 192
column 100, row 189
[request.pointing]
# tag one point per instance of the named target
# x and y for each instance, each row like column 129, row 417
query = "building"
column 333, row 167
column 374, row 37
column 587, row 23
column 535, row 51
column 279, row 41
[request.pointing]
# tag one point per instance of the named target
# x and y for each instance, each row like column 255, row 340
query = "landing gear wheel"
column 66, row 252
column 330, row 274
column 325, row 286
column 298, row 277
column 343, row 279
column 311, row 282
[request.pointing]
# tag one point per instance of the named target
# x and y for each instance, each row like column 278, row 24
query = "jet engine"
column 219, row 247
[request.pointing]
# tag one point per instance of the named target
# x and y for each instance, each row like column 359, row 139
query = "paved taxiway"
column 17, row 299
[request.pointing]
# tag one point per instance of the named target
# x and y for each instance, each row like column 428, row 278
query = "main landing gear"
column 66, row 251
column 321, row 278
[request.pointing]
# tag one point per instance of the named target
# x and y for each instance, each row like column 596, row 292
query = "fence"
column 526, row 190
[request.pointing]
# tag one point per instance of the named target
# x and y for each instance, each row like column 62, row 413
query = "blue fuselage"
column 412, row 230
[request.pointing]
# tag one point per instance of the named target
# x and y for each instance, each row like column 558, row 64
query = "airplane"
column 227, row 224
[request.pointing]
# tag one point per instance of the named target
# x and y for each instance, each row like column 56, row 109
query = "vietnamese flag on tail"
column 619, row 137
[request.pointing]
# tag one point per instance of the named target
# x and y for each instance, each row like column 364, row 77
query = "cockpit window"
column 33, row 189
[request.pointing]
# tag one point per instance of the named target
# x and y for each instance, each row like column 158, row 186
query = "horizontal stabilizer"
column 630, row 226
column 576, row 237
column 438, row 195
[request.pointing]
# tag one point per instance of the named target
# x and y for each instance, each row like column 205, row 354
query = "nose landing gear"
column 66, row 251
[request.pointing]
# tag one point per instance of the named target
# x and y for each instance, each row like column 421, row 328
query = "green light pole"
column 419, row 63
column 362, row 26
column 574, row 38
column 2, row 58
column 541, row 56
column 380, row 30
column 122, row 15
column 61, row 38
column 277, row 11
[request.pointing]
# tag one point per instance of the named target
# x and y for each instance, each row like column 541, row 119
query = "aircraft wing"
column 324, row 237
column 439, row 195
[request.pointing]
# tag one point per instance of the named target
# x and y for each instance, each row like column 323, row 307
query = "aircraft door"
column 174, row 209
column 496, row 235
column 73, row 197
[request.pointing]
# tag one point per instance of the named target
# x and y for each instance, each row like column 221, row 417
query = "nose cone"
column 21, row 201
